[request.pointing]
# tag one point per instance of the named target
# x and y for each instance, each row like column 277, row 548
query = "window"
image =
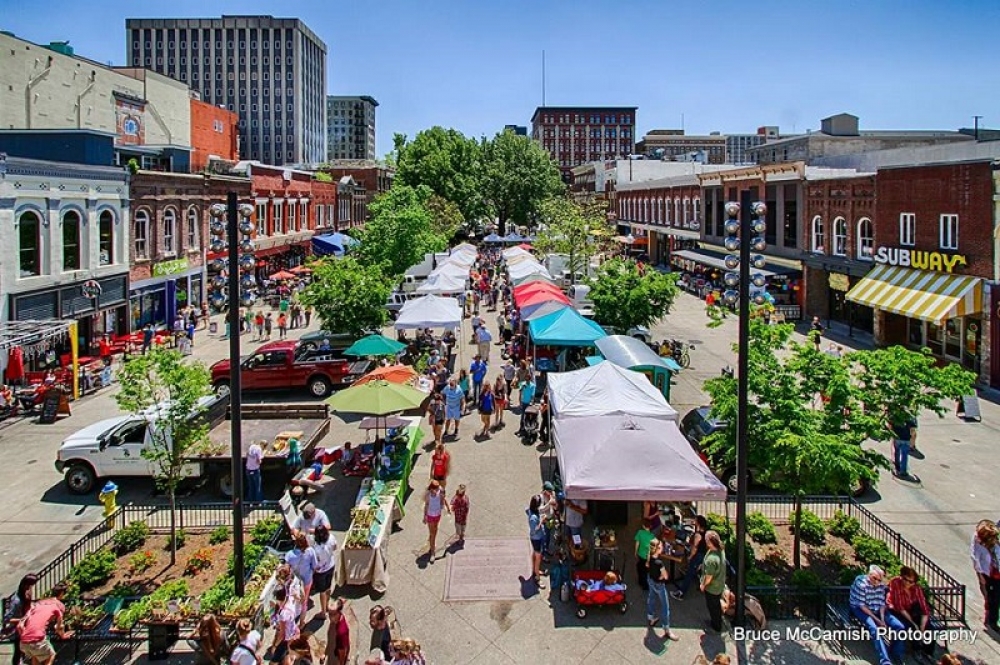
column 907, row 228
column 278, row 223
column 29, row 243
column 949, row 231
column 106, row 238
column 840, row 237
column 866, row 240
column 141, row 234
column 71, row 240
column 261, row 219
column 817, row 236
column 193, row 223
column 304, row 218
column 291, row 217
column 169, row 232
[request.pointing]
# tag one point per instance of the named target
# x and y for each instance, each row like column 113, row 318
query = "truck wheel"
column 319, row 386
column 80, row 478
column 221, row 387
column 224, row 484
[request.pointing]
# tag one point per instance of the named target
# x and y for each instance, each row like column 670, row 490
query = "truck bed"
column 263, row 422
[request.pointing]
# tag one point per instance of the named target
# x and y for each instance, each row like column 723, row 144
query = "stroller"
column 529, row 430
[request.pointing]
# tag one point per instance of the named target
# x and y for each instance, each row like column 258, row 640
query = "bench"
column 839, row 613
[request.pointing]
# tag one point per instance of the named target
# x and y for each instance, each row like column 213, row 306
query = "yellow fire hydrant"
column 109, row 497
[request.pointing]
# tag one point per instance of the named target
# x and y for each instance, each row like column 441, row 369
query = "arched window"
column 71, row 240
column 193, row 222
column 817, row 236
column 696, row 218
column 678, row 217
column 169, row 232
column 29, row 244
column 687, row 212
column 140, row 234
column 106, row 238
column 668, row 215
column 840, row 237
column 866, row 240
column 663, row 211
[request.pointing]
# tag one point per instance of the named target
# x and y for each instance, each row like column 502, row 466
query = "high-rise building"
column 350, row 127
column 577, row 134
column 271, row 71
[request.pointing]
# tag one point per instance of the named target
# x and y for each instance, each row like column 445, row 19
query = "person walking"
column 509, row 372
column 460, row 509
column 454, row 405
column 245, row 651
column 435, row 504
column 33, row 628
column 19, row 605
column 536, row 533
column 500, row 398
column 147, row 337
column 440, row 465
column 478, row 370
column 816, row 332
column 657, row 581
column 487, row 404
column 436, row 415
column 338, row 634
column 483, row 340
column 985, row 551
column 696, row 554
column 901, row 436
column 643, row 538
column 268, row 326
column 466, row 385
column 527, row 397
column 713, row 578
column 282, row 325
column 325, row 553
column 258, row 324
column 255, row 456
column 302, row 560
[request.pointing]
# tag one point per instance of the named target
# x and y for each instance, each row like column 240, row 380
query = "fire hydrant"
column 109, row 497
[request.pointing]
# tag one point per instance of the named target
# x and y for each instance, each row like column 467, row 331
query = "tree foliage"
column 348, row 296
column 446, row 218
column 577, row 231
column 517, row 177
column 626, row 294
column 162, row 384
column 400, row 231
column 447, row 162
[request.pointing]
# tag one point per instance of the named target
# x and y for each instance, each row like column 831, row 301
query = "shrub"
column 848, row 575
column 130, row 537
column 219, row 594
column 265, row 530
column 720, row 524
column 219, row 535
column 252, row 552
column 730, row 549
column 813, row 531
column 806, row 579
column 831, row 555
column 873, row 551
column 141, row 561
column 843, row 526
column 93, row 570
column 760, row 529
column 757, row 577
column 180, row 536
column 199, row 561
column 125, row 589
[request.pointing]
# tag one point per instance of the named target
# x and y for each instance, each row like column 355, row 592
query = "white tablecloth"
column 367, row 565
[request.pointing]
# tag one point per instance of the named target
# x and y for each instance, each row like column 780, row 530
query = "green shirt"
column 715, row 565
column 283, row 305
column 644, row 537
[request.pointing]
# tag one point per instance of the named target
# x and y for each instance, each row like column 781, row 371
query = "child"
column 460, row 509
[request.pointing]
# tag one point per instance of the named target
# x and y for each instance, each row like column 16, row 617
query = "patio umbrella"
column 374, row 345
column 301, row 270
column 382, row 422
column 281, row 275
column 377, row 398
column 390, row 373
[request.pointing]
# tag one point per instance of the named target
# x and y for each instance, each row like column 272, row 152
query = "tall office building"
column 573, row 135
column 271, row 71
column 350, row 127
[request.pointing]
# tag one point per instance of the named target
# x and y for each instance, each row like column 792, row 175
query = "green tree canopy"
column 626, row 294
column 348, row 296
column 517, row 177
column 577, row 231
column 446, row 218
column 447, row 162
column 400, row 231
column 160, row 380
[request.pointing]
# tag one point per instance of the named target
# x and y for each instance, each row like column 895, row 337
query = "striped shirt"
column 872, row 596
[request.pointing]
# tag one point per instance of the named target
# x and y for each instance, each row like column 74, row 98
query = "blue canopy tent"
column 493, row 238
column 564, row 327
column 512, row 237
column 333, row 243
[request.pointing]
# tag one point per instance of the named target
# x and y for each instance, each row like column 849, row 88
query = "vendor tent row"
column 617, row 439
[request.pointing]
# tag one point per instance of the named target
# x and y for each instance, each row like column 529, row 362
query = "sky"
column 725, row 65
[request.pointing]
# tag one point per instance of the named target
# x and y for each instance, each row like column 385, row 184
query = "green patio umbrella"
column 374, row 345
column 377, row 398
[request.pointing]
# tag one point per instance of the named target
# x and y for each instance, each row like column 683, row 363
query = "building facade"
column 271, row 71
column 573, row 135
column 214, row 135
column 519, row 130
column 372, row 177
column 673, row 145
column 350, row 126
column 67, row 253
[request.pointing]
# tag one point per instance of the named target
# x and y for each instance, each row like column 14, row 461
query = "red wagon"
column 585, row 599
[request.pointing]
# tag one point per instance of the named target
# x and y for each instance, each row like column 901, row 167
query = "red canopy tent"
column 525, row 246
column 281, row 275
column 526, row 290
column 540, row 297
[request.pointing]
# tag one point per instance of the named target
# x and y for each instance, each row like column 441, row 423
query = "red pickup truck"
column 287, row 365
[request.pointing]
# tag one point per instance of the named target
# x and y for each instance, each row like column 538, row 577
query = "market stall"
column 606, row 389
column 538, row 310
column 444, row 283
column 30, row 350
column 631, row 353
column 429, row 311
column 564, row 327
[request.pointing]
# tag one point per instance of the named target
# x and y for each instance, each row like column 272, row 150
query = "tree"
column 399, row 233
column 161, row 383
column 517, row 176
column 627, row 295
column 446, row 218
column 447, row 162
column 348, row 296
column 567, row 228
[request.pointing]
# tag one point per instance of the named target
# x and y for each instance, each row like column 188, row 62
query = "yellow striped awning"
column 919, row 294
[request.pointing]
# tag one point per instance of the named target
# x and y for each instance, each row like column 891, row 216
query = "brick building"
column 369, row 180
column 286, row 216
column 169, row 240
column 674, row 145
column 214, row 135
column 573, row 135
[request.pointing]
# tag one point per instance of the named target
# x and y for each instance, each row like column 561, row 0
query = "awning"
column 919, row 294
column 718, row 261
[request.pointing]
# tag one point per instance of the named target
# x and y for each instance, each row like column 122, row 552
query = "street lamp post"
column 744, row 230
column 236, row 288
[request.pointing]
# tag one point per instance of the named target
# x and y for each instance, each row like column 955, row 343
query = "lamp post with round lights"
column 232, row 229
column 744, row 229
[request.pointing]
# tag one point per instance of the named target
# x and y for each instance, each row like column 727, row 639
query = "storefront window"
column 169, row 232
column 953, row 338
column 192, row 228
column 818, row 243
column 29, row 244
column 106, row 235
column 71, row 240
column 970, row 358
column 935, row 339
column 791, row 213
column 141, row 233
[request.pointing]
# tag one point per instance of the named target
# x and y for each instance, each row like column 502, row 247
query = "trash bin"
column 163, row 635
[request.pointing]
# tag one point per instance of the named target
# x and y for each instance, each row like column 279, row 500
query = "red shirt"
column 460, row 508
column 340, row 636
column 439, row 464
column 36, row 622
column 104, row 347
column 903, row 597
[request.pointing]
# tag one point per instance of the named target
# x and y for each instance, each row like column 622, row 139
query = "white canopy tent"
column 465, row 247
column 450, row 269
column 620, row 457
column 520, row 258
column 606, row 389
column 430, row 311
column 463, row 260
column 515, row 251
column 442, row 284
column 526, row 268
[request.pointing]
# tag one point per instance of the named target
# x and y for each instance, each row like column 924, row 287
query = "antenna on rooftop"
column 543, row 77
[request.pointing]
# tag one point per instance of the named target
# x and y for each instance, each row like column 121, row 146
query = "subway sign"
column 920, row 259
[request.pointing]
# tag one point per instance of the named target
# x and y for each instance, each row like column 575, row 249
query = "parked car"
column 699, row 423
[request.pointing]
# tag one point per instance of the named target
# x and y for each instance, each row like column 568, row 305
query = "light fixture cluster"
column 220, row 266
column 757, row 244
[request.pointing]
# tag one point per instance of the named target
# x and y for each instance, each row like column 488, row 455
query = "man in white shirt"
column 255, row 455
column 483, row 339
column 575, row 512
column 309, row 519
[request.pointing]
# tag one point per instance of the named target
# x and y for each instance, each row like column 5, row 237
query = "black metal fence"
column 945, row 594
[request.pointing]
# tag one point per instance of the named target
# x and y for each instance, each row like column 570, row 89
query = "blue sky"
column 725, row 65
